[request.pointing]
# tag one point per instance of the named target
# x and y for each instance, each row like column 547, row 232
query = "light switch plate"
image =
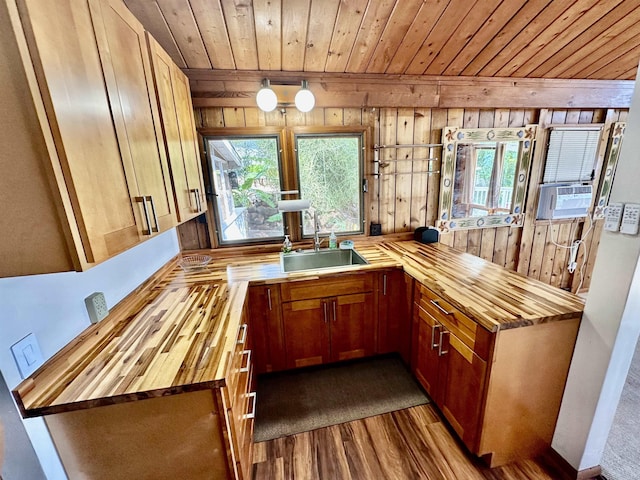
column 27, row 355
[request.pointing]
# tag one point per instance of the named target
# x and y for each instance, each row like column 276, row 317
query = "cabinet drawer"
column 469, row 332
column 327, row 287
column 242, row 415
column 239, row 361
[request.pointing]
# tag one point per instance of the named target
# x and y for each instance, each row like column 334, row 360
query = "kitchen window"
column 330, row 177
column 251, row 169
column 246, row 181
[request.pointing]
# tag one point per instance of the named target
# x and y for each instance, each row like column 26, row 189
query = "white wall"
column 52, row 308
column 610, row 325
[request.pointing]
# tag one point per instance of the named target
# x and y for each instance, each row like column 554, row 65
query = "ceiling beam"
column 234, row 88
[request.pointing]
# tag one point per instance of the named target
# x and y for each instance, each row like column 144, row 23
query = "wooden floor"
column 404, row 445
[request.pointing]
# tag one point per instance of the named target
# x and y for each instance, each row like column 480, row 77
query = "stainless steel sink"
column 311, row 260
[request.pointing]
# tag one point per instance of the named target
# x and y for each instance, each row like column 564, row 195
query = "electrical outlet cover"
column 27, row 354
column 96, row 306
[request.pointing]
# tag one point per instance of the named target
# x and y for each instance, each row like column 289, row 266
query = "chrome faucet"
column 317, row 241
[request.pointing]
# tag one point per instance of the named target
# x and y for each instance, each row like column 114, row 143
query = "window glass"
column 246, row 181
column 330, row 176
column 484, row 180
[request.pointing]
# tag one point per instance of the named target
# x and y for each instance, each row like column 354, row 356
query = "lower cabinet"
column 452, row 373
column 394, row 290
column 323, row 330
column 201, row 434
column 500, row 391
column 265, row 320
column 328, row 320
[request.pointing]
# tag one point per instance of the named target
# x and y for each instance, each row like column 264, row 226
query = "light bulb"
column 266, row 98
column 304, row 98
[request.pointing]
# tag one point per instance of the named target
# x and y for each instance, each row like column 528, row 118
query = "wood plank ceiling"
column 570, row 39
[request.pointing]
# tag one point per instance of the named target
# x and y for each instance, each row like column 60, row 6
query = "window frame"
column 289, row 175
column 318, row 132
column 214, row 214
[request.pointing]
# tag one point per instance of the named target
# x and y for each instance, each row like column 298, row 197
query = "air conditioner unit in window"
column 564, row 201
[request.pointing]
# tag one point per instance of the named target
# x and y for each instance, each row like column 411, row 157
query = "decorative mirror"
column 484, row 176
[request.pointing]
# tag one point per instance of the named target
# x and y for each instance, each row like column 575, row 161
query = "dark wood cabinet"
column 328, row 320
column 332, row 329
column 394, row 292
column 306, row 332
column 352, row 328
column 265, row 319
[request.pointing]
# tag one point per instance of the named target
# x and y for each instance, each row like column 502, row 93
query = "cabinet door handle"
column 335, row 317
column 199, row 200
column 153, row 210
column 433, row 336
column 384, row 285
column 251, row 415
column 196, row 195
column 437, row 305
column 324, row 307
column 248, row 354
column 269, row 298
column 241, row 341
column 440, row 351
column 146, row 214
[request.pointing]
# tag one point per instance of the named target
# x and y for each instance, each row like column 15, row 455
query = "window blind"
column 571, row 155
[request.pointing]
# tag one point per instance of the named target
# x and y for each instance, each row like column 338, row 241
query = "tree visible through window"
column 330, row 172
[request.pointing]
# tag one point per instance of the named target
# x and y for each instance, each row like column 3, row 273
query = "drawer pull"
column 437, row 305
column 251, row 415
column 242, row 340
column 196, row 195
column 248, row 354
column 433, row 336
column 440, row 351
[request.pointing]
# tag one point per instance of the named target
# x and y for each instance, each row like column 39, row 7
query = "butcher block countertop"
column 494, row 297
column 175, row 332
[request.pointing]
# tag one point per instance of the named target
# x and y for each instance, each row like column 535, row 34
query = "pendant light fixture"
column 304, row 98
column 266, row 98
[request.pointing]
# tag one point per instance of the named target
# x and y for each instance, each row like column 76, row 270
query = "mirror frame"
column 609, row 168
column 451, row 136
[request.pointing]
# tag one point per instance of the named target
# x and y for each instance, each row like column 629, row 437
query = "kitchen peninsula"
column 163, row 385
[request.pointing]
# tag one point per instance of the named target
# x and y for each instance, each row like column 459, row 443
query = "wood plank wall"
column 404, row 196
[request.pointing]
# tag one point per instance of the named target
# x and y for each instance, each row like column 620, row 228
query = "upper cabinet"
column 178, row 130
column 127, row 72
column 86, row 175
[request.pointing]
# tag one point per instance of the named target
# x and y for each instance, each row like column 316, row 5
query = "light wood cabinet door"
column 265, row 322
column 425, row 360
column 306, row 332
column 352, row 330
column 128, row 77
column 178, row 129
column 85, row 160
column 461, row 388
column 452, row 373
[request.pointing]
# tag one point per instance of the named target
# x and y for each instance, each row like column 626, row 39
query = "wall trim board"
column 566, row 470
column 232, row 88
